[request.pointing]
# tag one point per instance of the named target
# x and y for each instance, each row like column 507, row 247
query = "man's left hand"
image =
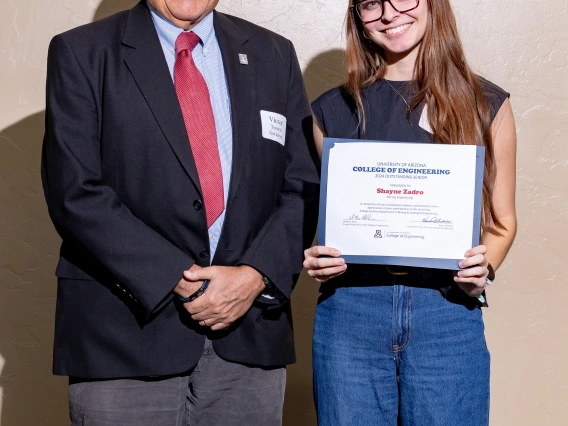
column 230, row 294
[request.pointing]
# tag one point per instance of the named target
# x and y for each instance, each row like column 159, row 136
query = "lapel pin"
column 243, row 59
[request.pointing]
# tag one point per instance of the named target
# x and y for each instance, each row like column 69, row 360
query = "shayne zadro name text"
column 399, row 191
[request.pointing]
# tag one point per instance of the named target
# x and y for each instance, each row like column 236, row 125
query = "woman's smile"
column 397, row 31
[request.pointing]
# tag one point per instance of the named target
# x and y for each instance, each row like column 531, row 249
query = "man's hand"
column 186, row 288
column 229, row 296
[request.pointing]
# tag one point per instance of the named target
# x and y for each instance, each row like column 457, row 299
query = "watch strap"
column 195, row 295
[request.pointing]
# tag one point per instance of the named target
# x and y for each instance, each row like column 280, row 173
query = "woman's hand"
column 473, row 279
column 324, row 268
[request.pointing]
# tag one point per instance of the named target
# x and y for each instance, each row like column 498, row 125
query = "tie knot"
column 186, row 41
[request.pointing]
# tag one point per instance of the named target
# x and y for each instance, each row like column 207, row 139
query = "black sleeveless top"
column 386, row 112
column 386, row 119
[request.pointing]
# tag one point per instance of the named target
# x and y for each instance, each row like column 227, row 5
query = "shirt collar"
column 168, row 32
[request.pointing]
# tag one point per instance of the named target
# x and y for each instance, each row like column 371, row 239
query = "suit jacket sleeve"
column 277, row 252
column 86, row 211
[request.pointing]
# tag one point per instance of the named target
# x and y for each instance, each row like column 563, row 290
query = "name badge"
column 273, row 126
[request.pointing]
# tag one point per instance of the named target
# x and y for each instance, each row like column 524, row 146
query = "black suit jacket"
column 123, row 192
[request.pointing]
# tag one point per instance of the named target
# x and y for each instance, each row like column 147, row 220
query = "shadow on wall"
column 110, row 7
column 325, row 71
column 29, row 393
column 28, row 253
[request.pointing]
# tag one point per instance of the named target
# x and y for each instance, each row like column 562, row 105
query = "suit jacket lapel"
column 148, row 66
column 241, row 80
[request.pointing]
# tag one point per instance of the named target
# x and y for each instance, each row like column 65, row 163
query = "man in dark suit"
column 177, row 168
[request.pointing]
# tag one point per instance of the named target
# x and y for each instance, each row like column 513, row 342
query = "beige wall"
column 522, row 46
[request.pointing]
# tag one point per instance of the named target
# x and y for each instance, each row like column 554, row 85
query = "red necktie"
column 199, row 121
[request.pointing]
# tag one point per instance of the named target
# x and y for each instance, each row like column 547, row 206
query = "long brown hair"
column 458, row 110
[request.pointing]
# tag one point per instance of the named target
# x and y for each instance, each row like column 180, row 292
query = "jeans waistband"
column 381, row 275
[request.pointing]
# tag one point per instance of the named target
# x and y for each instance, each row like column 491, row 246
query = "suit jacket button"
column 204, row 254
column 197, row 205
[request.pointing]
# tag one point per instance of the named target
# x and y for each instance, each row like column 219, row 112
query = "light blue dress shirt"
column 207, row 58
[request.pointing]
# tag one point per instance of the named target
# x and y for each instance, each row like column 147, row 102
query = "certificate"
column 410, row 204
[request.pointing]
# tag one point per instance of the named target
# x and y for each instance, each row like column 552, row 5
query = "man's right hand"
column 186, row 288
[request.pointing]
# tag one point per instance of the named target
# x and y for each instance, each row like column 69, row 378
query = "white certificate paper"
column 411, row 204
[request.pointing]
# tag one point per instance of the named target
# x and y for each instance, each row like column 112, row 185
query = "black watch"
column 269, row 284
column 195, row 295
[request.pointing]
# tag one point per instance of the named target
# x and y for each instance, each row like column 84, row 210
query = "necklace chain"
column 398, row 93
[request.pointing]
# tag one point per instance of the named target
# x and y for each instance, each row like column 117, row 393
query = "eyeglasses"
column 372, row 10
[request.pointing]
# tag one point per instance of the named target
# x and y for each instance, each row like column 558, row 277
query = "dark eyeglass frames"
column 372, row 10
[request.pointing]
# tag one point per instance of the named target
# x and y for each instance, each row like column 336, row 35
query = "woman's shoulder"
column 333, row 106
column 336, row 98
column 494, row 94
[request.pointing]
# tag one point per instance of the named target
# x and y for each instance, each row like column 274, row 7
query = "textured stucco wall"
column 522, row 46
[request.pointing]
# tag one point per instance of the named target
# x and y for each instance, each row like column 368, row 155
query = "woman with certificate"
column 401, row 345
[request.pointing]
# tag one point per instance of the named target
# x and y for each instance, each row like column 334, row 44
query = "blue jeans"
column 399, row 355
